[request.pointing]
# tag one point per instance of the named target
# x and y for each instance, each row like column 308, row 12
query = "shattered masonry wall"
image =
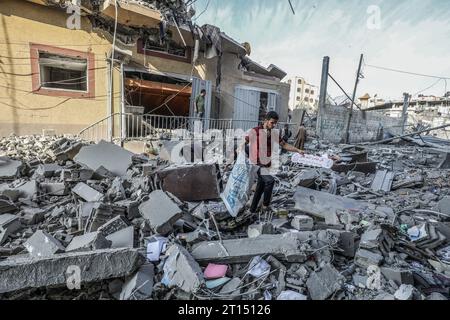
column 362, row 129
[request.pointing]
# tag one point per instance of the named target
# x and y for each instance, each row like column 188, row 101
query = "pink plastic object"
column 215, row 271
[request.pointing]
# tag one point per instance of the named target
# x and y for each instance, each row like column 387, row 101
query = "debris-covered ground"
column 81, row 221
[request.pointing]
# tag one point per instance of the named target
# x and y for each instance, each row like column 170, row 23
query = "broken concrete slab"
column 112, row 157
column 6, row 205
column 443, row 206
column 365, row 258
column 27, row 189
column 89, row 241
column 99, row 215
column 255, row 230
column 319, row 203
column 182, row 271
column 322, row 284
column 306, row 178
column 302, row 223
column 399, row 276
column 130, row 207
column 54, row 188
column 123, row 238
column 192, row 183
column 32, row 216
column 9, row 224
column 285, row 247
column 42, row 244
column 87, row 193
column 115, row 224
column 140, row 285
column 383, row 181
column 161, row 212
column 48, row 170
column 405, row 292
column 21, row 272
column 9, row 168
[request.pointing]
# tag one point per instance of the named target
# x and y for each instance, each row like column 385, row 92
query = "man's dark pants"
column 264, row 187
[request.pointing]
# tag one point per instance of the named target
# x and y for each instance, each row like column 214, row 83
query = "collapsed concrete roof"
column 271, row 71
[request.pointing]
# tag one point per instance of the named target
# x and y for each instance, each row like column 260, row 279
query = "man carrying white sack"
column 260, row 143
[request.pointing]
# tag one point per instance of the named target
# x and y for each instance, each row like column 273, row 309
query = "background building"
column 303, row 94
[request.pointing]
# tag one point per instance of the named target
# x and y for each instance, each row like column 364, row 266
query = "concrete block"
column 302, row 223
column 6, row 206
column 399, row 276
column 89, row 241
column 21, row 272
column 123, row 238
column 48, row 170
column 285, row 247
column 9, row 169
column 9, row 224
column 161, row 212
column 182, row 271
column 365, row 258
column 131, row 208
column 112, row 157
column 405, row 292
column 192, row 183
column 87, row 193
column 140, row 285
column 255, row 230
column 32, row 216
column 54, row 188
column 324, row 283
column 115, row 224
column 41, row 244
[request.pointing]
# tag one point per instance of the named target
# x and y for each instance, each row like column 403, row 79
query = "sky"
column 409, row 35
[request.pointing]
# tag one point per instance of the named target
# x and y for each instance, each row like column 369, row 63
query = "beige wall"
column 24, row 112
column 231, row 77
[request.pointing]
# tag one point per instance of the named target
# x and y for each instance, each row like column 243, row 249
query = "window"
column 62, row 72
column 306, row 99
column 298, row 98
column 312, row 91
column 300, row 81
column 307, row 90
column 299, row 89
column 311, row 100
column 169, row 49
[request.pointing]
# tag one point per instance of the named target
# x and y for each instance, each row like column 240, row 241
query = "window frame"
column 154, row 53
column 35, row 49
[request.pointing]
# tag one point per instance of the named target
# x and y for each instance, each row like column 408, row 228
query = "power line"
column 292, row 7
column 206, row 8
column 432, row 86
column 406, row 72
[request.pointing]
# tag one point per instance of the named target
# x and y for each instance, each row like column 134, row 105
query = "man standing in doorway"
column 259, row 145
column 200, row 104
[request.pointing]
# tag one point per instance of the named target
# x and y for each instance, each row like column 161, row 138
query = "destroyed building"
column 372, row 225
column 375, row 226
column 60, row 78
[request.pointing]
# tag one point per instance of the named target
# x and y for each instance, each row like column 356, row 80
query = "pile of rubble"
column 94, row 221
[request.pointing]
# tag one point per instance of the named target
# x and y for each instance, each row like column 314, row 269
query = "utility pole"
column 350, row 114
column 323, row 93
column 406, row 99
